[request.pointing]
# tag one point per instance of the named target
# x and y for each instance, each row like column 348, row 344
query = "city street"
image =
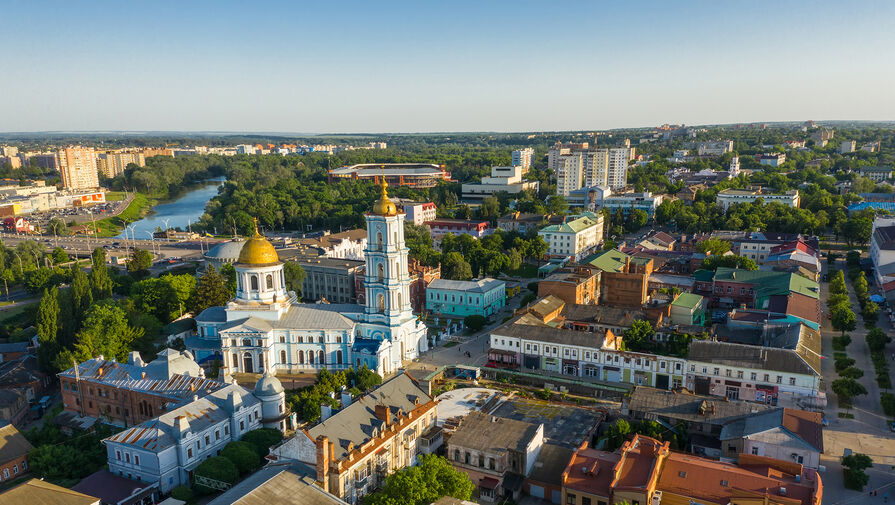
column 868, row 432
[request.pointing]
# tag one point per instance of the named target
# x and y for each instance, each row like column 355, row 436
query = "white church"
column 264, row 328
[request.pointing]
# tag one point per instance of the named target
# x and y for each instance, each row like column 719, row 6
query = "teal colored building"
column 465, row 298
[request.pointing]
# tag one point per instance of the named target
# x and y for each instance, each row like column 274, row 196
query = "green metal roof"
column 575, row 226
column 769, row 283
column 687, row 300
column 612, row 260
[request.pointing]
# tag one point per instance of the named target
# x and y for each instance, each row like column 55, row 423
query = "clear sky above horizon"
column 345, row 66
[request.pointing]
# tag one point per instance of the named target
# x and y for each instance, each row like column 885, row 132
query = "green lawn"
column 526, row 271
column 138, row 208
column 115, row 196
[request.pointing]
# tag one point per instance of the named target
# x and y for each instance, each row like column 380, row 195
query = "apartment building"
column 113, row 163
column 576, row 285
column 646, row 471
column 574, row 239
column 576, row 166
column 330, row 279
column 503, row 179
column 847, row 146
column 78, row 167
column 624, row 279
column 440, row 227
column 523, row 158
column 14, row 449
column 822, row 136
column 420, row 213
column 626, row 202
column 730, row 196
column 355, row 448
column 876, row 174
column 493, row 450
column 772, row 159
column 714, row 148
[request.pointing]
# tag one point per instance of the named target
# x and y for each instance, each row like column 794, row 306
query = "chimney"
column 323, row 452
column 142, row 375
column 325, row 412
column 182, row 426
column 346, row 399
column 382, row 413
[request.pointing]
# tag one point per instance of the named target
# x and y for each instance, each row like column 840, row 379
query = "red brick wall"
column 117, row 405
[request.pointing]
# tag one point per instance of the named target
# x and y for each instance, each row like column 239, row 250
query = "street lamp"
column 152, row 243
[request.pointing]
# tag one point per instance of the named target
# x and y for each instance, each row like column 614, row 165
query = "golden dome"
column 384, row 206
column 258, row 251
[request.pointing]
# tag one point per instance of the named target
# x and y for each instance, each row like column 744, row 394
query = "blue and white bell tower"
column 388, row 317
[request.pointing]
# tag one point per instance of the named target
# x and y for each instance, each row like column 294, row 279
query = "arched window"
column 310, row 357
column 235, row 362
column 339, row 357
column 381, row 271
column 239, row 283
column 301, row 357
column 380, row 302
column 321, row 358
column 398, row 304
column 269, row 281
column 396, row 239
column 283, row 357
column 247, row 342
column 254, row 282
column 260, row 362
column 247, row 365
column 379, row 240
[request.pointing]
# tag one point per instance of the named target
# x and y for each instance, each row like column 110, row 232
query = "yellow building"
column 113, row 163
column 78, row 167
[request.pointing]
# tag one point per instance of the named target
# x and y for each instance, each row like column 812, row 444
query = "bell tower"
column 387, row 282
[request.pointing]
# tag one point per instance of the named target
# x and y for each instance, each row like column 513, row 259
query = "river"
column 179, row 213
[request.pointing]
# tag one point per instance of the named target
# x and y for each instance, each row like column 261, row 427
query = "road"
column 83, row 246
column 867, row 433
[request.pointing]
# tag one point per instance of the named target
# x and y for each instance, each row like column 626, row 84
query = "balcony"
column 362, row 483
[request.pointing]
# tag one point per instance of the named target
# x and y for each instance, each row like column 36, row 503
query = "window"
column 226, row 430
column 242, row 425
column 779, row 379
column 254, row 282
column 570, row 499
column 767, row 377
column 755, row 451
column 269, row 281
column 456, row 454
column 739, row 374
column 692, row 368
column 136, row 459
column 682, row 474
column 585, row 500
column 189, row 452
column 717, row 371
column 118, row 455
column 15, row 469
column 127, row 457
column 792, row 381
column 753, row 376
column 207, row 439
column 217, row 434
column 729, row 373
column 283, row 357
column 724, row 483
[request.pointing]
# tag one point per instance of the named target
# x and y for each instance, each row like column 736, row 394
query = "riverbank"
column 139, row 207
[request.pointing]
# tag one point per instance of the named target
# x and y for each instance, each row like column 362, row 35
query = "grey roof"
column 13, row 444
column 492, row 434
column 268, row 385
column 479, row 286
column 550, row 335
column 685, row 406
column 779, row 427
column 226, row 250
column 212, row 315
column 742, row 355
column 14, row 347
column 250, row 324
column 315, row 317
column 551, row 462
column 277, row 485
column 602, row 314
column 170, row 363
column 158, row 434
column 355, row 423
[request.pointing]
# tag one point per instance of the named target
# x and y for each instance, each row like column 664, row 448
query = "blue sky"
column 378, row 66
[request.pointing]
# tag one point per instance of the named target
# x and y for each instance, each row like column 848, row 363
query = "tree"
column 364, row 378
column 262, row 440
column 243, row 455
column 217, row 468
column 639, row 337
column 228, row 272
column 514, row 259
column 474, row 322
column 877, row 339
column 870, row 312
column 211, row 291
column 837, row 283
column 713, row 245
column 423, row 484
column 490, row 208
column 60, row 256
column 37, row 280
column 730, row 261
column 81, row 295
column 295, row 276
column 853, row 467
column 139, row 261
column 106, row 332
column 58, row 227
column 636, row 220
column 537, row 248
column 182, row 493
column 454, row 266
column 852, row 373
column 557, row 204
column 847, row 388
column 100, row 281
column 844, row 319
column 47, row 330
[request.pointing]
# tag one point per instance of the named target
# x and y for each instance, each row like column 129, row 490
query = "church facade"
column 263, row 328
